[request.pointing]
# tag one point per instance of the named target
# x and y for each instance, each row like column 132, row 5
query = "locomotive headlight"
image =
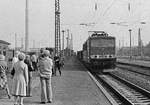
column 92, row 56
column 110, row 56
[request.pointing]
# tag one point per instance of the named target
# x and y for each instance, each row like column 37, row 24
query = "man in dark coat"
column 57, row 65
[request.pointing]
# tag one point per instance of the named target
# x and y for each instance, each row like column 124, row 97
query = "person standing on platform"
column 3, row 77
column 41, row 53
column 14, row 60
column 45, row 65
column 34, row 62
column 62, row 63
column 30, row 69
column 20, row 80
column 57, row 65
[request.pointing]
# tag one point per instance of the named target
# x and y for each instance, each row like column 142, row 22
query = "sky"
column 74, row 12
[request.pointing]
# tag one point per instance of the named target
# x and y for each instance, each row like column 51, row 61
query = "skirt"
column 19, row 86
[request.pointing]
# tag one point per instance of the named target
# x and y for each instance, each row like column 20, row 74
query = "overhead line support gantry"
column 57, row 29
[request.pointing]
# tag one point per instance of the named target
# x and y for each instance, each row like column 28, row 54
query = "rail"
column 124, row 91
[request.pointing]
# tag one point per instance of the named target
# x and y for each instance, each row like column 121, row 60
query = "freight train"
column 98, row 52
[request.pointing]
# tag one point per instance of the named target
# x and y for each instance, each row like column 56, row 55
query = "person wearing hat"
column 3, row 77
column 20, row 80
column 45, row 65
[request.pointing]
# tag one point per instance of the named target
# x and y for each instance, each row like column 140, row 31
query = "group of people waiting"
column 21, row 72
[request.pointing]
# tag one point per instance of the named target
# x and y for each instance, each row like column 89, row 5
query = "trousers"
column 46, row 89
column 29, row 87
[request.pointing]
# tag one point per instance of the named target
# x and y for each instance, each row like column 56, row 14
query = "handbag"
column 13, row 72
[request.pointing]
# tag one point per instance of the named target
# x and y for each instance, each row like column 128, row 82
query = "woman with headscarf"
column 3, row 77
column 20, row 80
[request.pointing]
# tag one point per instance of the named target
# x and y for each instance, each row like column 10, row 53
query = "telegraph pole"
column 26, row 28
column 57, row 28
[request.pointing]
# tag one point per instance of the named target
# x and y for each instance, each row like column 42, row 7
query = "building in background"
column 4, row 47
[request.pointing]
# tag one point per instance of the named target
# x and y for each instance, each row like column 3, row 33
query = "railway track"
column 124, row 92
column 134, row 68
column 134, row 65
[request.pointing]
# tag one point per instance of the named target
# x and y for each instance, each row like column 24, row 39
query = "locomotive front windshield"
column 102, row 46
column 102, row 43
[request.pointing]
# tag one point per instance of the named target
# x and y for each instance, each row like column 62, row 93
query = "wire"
column 109, row 7
column 105, row 11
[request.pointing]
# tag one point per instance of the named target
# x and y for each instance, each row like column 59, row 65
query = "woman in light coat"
column 20, row 80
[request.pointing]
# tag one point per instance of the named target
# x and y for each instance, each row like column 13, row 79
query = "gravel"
column 138, row 79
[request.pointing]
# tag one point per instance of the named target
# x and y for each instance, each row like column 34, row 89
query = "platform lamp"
column 140, row 41
column 63, row 31
column 130, row 44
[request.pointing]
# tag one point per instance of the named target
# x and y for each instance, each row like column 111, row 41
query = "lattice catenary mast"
column 57, row 28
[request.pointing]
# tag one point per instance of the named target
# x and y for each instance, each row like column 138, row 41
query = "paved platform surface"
column 136, row 62
column 74, row 87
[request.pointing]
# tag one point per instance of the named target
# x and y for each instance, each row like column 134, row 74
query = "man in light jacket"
column 45, row 65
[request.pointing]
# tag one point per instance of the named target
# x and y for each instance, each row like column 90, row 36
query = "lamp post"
column 130, row 44
column 63, row 31
column 140, row 49
column 140, row 45
column 120, row 24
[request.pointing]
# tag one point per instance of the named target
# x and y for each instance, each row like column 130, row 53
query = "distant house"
column 3, row 46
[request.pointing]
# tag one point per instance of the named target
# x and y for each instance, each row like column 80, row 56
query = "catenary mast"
column 26, row 28
column 57, row 28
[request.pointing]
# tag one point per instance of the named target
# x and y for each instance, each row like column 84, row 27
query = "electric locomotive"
column 98, row 51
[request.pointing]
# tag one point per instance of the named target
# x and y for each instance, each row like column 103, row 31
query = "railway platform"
column 74, row 87
column 134, row 62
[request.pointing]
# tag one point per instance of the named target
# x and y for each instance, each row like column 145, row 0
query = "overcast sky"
column 74, row 12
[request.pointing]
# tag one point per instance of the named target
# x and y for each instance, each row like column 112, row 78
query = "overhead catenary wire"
column 102, row 14
column 109, row 7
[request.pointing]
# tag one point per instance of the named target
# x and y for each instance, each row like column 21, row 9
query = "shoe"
column 43, row 102
column 49, row 102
